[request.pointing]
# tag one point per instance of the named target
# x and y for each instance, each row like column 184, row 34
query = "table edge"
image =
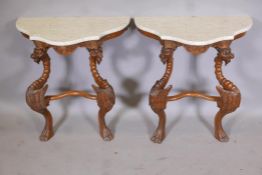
column 109, row 34
column 156, row 35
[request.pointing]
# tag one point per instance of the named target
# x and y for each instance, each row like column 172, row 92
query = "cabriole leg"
column 105, row 92
column 35, row 94
column 230, row 96
column 158, row 94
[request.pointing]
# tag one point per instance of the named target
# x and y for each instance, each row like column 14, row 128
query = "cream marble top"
column 195, row 30
column 61, row 31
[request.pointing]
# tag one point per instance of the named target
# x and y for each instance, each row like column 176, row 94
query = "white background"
column 131, row 64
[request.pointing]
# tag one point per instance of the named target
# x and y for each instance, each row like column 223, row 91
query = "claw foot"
column 106, row 134
column 158, row 136
column 46, row 135
column 221, row 136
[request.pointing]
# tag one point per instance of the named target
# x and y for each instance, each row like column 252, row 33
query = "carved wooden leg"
column 35, row 94
column 230, row 96
column 105, row 93
column 158, row 94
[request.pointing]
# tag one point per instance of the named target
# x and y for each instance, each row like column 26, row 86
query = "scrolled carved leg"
column 230, row 96
column 158, row 94
column 35, row 94
column 104, row 91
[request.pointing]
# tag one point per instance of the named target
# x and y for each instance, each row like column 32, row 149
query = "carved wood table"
column 196, row 35
column 64, row 35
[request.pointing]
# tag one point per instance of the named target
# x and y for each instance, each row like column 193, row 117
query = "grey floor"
column 77, row 148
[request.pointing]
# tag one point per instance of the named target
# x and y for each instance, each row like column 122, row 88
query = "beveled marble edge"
column 194, row 43
column 76, row 41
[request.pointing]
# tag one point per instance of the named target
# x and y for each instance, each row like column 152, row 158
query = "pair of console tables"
column 195, row 33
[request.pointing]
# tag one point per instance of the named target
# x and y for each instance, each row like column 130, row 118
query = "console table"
column 64, row 35
column 196, row 35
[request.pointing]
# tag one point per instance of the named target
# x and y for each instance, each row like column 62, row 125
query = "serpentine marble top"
column 195, row 30
column 62, row 31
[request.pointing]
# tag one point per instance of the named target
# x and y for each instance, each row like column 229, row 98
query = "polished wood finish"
column 192, row 94
column 35, row 94
column 229, row 95
column 72, row 93
column 158, row 97
column 38, row 101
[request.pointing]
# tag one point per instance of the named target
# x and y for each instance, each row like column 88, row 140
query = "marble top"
column 61, row 31
column 195, row 30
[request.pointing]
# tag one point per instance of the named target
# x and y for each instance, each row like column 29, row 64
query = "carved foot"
column 106, row 134
column 46, row 135
column 229, row 102
column 158, row 101
column 221, row 135
column 105, row 101
column 158, row 136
